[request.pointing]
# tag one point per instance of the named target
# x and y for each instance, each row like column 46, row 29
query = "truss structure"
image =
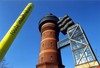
column 81, row 49
column 83, row 54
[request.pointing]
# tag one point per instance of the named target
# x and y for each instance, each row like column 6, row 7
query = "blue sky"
column 24, row 51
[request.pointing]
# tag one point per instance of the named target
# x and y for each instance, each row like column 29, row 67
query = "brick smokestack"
column 49, row 56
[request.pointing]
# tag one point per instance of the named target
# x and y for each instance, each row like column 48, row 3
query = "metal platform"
column 63, row 43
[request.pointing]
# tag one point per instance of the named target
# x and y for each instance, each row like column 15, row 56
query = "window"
column 41, row 59
column 43, row 45
column 51, row 58
column 44, row 35
column 50, row 33
column 50, row 44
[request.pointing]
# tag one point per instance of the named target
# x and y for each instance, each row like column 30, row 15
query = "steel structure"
column 81, row 49
column 63, row 43
column 83, row 54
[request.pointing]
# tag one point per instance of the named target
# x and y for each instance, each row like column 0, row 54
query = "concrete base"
column 88, row 65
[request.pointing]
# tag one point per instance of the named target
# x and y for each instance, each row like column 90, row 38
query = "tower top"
column 48, row 18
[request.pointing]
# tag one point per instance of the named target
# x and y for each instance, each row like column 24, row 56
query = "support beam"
column 63, row 43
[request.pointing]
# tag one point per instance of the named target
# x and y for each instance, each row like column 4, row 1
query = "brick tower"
column 49, row 56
